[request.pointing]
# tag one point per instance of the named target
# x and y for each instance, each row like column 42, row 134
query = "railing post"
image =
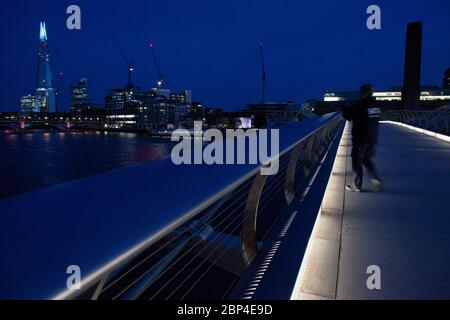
column 309, row 155
column 323, row 139
column 417, row 119
column 433, row 118
column 404, row 117
column 421, row 120
column 408, row 117
column 99, row 287
column 248, row 234
column 446, row 123
column 289, row 185
column 426, row 120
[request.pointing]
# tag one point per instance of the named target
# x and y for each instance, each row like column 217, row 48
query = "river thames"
column 39, row 159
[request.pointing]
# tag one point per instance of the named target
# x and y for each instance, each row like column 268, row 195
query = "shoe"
column 351, row 188
column 377, row 185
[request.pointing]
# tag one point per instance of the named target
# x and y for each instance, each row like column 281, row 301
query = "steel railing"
column 156, row 230
column 437, row 120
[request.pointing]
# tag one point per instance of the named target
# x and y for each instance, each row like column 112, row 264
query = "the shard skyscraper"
column 45, row 91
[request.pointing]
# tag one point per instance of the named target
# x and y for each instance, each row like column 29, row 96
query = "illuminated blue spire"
column 45, row 91
column 42, row 32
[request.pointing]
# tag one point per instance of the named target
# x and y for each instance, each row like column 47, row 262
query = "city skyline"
column 228, row 57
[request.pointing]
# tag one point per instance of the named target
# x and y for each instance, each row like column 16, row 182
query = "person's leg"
column 377, row 184
column 368, row 163
column 357, row 152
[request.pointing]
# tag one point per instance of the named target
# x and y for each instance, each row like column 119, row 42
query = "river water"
column 40, row 159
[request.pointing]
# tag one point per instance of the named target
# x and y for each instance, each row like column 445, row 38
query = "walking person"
column 364, row 116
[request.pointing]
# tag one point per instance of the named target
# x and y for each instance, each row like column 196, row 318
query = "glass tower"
column 79, row 99
column 45, row 92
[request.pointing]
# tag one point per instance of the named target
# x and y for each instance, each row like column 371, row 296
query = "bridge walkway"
column 404, row 230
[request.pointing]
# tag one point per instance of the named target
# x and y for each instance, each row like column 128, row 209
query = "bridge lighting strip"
column 261, row 271
column 439, row 136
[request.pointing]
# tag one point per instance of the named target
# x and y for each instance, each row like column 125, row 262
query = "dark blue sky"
column 211, row 46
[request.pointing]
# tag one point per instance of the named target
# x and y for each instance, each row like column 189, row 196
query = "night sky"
column 211, row 46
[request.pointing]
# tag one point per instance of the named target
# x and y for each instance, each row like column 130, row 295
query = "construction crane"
column 58, row 92
column 263, row 67
column 129, row 66
column 158, row 70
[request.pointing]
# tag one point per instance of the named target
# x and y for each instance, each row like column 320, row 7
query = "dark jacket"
column 364, row 115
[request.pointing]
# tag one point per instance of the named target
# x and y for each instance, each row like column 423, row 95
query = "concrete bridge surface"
column 404, row 230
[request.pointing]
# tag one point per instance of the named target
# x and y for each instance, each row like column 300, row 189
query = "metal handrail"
column 115, row 223
column 425, row 119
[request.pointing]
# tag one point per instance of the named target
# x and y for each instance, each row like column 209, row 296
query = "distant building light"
column 122, row 116
column 332, row 99
column 385, row 96
column 441, row 97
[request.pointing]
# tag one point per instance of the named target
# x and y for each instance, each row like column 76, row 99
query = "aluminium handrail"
column 425, row 119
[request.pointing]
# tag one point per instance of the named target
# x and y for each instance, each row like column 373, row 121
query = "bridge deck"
column 405, row 229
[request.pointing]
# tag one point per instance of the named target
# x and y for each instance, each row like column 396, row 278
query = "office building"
column 180, row 104
column 122, row 107
column 29, row 104
column 155, row 111
column 79, row 97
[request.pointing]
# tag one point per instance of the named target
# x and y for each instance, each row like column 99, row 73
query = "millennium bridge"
column 161, row 231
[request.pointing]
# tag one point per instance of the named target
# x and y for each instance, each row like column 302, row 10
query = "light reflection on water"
column 40, row 159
